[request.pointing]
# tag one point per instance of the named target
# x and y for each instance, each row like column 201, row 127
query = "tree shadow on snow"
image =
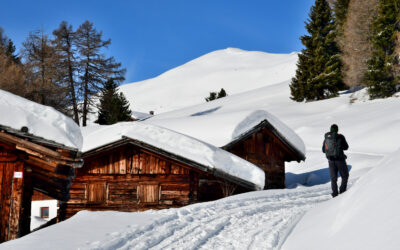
column 316, row 177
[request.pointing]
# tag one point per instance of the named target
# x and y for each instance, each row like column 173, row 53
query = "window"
column 96, row 192
column 149, row 193
column 44, row 212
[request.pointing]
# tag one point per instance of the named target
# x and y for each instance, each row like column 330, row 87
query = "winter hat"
column 334, row 128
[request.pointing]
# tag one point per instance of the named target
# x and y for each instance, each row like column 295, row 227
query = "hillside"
column 295, row 218
column 235, row 70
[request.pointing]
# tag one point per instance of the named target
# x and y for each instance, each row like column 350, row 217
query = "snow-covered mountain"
column 235, row 70
column 365, row 217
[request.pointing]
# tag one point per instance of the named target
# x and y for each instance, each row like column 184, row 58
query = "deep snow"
column 42, row 121
column 264, row 219
column 366, row 217
column 233, row 69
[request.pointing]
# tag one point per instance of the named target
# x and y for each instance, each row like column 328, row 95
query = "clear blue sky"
column 150, row 37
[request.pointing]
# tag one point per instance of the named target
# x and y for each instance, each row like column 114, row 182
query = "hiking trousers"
column 340, row 166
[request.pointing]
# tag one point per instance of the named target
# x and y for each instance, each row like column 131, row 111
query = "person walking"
column 333, row 146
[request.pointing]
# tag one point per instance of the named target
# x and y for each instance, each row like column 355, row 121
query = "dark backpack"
column 331, row 145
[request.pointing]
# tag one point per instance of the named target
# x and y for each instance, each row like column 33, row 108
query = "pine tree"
column 113, row 107
column 12, row 77
column 318, row 75
column 41, row 71
column 215, row 95
column 380, row 77
column 7, row 47
column 340, row 9
column 222, row 93
column 95, row 66
column 67, row 64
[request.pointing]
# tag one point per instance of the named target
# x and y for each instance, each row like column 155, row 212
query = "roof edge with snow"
column 300, row 156
column 36, row 139
column 214, row 171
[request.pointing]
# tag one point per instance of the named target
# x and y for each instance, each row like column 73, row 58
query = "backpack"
column 331, row 145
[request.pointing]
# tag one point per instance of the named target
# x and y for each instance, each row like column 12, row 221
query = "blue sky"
column 150, row 37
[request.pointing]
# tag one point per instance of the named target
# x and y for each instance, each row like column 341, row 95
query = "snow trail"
column 261, row 220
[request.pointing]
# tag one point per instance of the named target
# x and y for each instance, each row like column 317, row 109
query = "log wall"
column 266, row 151
column 11, row 194
column 130, row 178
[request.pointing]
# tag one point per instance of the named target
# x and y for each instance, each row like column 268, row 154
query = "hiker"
column 333, row 147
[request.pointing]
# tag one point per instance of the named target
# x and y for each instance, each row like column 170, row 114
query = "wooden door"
column 149, row 193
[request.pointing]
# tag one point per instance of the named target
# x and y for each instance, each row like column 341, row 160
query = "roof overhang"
column 297, row 154
column 213, row 171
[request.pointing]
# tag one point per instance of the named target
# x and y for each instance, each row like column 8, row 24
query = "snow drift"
column 42, row 121
column 365, row 217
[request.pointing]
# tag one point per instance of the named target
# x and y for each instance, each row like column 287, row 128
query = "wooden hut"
column 254, row 135
column 145, row 167
column 29, row 163
column 38, row 151
column 265, row 146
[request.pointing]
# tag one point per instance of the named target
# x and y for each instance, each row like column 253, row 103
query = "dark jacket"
column 343, row 146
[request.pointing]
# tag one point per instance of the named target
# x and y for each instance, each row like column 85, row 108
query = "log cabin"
column 265, row 146
column 138, row 166
column 254, row 135
column 29, row 163
column 36, row 154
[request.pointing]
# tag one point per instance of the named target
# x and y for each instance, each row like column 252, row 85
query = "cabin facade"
column 267, row 148
column 131, row 176
column 137, row 173
column 29, row 163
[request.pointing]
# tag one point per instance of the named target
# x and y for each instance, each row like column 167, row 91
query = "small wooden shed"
column 265, row 146
column 132, row 174
column 29, row 163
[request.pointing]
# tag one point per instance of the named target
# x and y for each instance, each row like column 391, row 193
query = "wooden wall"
column 130, row 178
column 266, row 151
column 12, row 211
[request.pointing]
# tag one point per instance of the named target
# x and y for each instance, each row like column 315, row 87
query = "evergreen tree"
column 380, row 77
column 222, row 93
column 318, row 75
column 96, row 68
column 7, row 47
column 216, row 95
column 67, row 64
column 113, row 107
column 340, row 9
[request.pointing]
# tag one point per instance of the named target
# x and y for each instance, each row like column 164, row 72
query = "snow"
column 36, row 220
column 365, row 217
column 170, row 141
column 233, row 69
column 304, row 216
column 42, row 121
column 221, row 122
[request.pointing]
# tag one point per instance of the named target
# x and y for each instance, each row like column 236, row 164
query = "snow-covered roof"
column 42, row 121
column 175, row 143
column 224, row 121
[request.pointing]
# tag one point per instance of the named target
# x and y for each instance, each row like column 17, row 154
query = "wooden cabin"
column 29, row 163
column 266, row 147
column 132, row 175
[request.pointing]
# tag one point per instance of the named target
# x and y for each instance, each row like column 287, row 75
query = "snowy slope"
column 42, row 121
column 366, row 217
column 175, row 143
column 235, row 70
column 262, row 220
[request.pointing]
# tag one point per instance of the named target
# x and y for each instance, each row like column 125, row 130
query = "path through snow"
column 257, row 220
